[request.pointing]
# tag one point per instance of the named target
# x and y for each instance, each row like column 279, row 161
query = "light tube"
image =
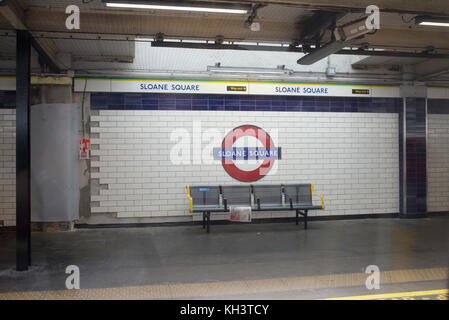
column 434, row 24
column 177, row 8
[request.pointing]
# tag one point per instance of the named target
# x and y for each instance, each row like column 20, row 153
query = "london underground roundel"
column 247, row 153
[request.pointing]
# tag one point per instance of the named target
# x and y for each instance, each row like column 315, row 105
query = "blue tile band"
column 7, row 99
column 211, row 102
column 438, row 106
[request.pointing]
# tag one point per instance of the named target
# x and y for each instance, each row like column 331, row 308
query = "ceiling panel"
column 7, row 45
column 283, row 13
column 108, row 48
column 93, row 4
column 389, row 61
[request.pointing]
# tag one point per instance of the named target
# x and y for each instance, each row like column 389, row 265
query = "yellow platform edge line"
column 205, row 289
column 393, row 295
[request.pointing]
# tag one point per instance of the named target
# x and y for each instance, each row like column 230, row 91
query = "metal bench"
column 268, row 197
column 236, row 196
column 299, row 198
column 205, row 199
column 290, row 197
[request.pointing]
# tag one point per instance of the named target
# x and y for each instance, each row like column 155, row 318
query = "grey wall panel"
column 54, row 163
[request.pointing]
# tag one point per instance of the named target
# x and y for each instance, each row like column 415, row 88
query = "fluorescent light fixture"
column 265, row 44
column 432, row 21
column 179, row 6
column 278, row 71
column 192, row 41
column 435, row 24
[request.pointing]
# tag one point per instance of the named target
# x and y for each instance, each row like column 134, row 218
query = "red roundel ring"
column 229, row 165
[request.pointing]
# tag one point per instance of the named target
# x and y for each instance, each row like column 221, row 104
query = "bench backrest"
column 237, row 195
column 205, row 195
column 268, row 194
column 299, row 193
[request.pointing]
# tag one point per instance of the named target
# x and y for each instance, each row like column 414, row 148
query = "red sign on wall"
column 247, row 153
column 84, row 149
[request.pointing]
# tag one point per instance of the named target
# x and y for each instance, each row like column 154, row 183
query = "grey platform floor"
column 122, row 257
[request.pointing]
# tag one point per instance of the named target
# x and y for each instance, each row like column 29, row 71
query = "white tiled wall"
column 438, row 162
column 8, row 166
column 352, row 158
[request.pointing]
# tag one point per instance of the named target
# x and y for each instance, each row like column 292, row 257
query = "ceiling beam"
column 84, row 58
column 431, row 7
column 106, row 58
column 431, row 68
column 126, row 24
column 14, row 13
column 213, row 46
column 7, row 57
column 147, row 24
column 47, row 52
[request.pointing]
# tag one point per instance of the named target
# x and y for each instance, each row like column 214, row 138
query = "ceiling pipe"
column 294, row 77
column 359, row 52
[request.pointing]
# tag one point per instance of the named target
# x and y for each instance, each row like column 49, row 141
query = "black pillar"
column 23, row 203
column 415, row 116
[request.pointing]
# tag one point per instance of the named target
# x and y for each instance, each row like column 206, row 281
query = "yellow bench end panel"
column 321, row 197
column 190, row 198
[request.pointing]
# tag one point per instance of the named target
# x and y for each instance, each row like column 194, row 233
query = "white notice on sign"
column 240, row 214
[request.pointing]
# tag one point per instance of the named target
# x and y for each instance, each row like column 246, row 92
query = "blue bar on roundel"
column 246, row 153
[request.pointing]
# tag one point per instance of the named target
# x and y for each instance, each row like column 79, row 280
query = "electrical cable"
column 82, row 109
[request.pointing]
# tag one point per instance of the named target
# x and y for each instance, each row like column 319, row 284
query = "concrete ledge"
column 69, row 226
column 45, row 227
column 111, row 218
column 8, row 228
column 423, row 215
column 226, row 222
column 51, row 226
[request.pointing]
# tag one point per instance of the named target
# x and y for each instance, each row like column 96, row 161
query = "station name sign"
column 247, row 153
column 230, row 87
column 169, row 87
column 252, row 88
column 302, row 90
column 201, row 88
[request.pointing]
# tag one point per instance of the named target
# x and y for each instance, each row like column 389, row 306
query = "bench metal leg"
column 305, row 219
column 208, row 222
column 304, row 214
